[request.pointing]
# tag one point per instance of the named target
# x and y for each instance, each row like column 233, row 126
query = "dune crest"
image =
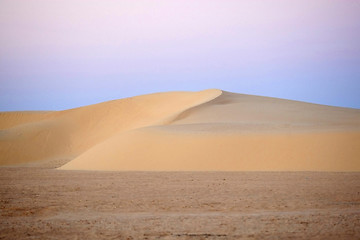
column 208, row 130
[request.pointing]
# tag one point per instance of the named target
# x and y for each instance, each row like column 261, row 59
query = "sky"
column 62, row 54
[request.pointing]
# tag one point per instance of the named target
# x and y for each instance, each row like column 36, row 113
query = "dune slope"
column 206, row 130
column 61, row 136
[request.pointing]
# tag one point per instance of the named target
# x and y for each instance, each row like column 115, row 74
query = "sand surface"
column 165, row 138
column 51, row 204
column 210, row 130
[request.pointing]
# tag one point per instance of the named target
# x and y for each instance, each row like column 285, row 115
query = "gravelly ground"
column 40, row 203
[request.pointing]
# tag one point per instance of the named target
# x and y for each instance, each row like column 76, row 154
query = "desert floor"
column 40, row 203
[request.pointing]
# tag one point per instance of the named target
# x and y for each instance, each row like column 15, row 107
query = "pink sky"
column 113, row 49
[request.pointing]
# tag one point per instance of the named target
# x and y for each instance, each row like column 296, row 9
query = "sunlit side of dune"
column 207, row 130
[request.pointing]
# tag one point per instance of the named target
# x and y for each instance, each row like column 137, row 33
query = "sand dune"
column 206, row 130
column 61, row 136
column 12, row 119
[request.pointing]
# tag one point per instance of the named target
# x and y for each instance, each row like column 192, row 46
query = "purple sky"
column 61, row 54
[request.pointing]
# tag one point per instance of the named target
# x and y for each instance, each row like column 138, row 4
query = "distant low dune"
column 207, row 130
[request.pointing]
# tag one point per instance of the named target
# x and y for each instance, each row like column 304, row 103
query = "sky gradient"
column 62, row 54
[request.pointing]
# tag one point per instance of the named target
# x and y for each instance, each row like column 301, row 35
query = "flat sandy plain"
column 51, row 204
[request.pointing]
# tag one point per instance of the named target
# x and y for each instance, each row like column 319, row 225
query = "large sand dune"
column 206, row 130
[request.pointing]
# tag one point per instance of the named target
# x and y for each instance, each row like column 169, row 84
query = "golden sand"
column 207, row 130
